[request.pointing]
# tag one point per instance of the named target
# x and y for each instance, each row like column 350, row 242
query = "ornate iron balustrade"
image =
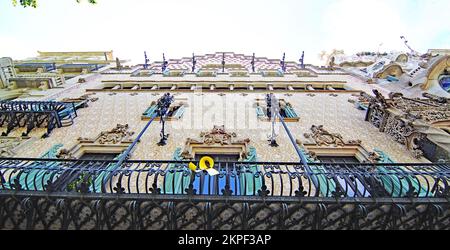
column 83, row 194
column 32, row 114
column 267, row 179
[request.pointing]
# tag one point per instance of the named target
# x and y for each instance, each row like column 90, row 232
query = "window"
column 220, row 157
column 378, row 66
column 338, row 159
column 353, row 185
column 98, row 156
column 214, row 184
column 71, row 178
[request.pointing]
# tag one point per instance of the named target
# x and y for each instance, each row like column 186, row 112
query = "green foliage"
column 33, row 3
column 82, row 178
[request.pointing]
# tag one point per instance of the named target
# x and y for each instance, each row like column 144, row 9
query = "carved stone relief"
column 115, row 136
column 64, row 154
column 218, row 136
column 324, row 138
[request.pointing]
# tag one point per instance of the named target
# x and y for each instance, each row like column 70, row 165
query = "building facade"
column 362, row 143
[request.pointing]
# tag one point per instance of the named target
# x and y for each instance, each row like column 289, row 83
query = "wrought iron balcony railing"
column 35, row 114
column 236, row 179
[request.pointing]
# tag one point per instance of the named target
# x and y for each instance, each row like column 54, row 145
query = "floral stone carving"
column 324, row 138
column 117, row 135
column 64, row 154
column 217, row 136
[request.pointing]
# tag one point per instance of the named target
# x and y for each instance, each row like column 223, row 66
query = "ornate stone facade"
column 410, row 121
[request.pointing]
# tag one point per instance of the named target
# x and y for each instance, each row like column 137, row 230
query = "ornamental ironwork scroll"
column 146, row 205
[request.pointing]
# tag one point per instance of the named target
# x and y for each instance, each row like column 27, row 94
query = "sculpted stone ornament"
column 435, row 98
column 324, row 138
column 410, row 121
column 217, row 135
column 374, row 157
column 64, row 154
column 118, row 65
column 116, row 135
column 332, row 63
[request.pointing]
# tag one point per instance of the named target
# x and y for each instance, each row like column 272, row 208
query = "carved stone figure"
column 118, row 65
column 64, row 154
column 331, row 63
column 116, row 135
column 324, row 138
column 374, row 157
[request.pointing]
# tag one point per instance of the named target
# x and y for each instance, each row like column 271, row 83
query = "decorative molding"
column 112, row 141
column 218, row 140
column 65, row 154
column 117, row 135
column 322, row 137
column 312, row 151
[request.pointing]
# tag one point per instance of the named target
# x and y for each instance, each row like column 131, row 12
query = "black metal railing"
column 236, row 179
column 32, row 114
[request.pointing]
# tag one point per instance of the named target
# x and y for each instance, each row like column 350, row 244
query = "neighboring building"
column 401, row 72
column 344, row 153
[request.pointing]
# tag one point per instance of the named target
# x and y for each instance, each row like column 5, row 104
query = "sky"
column 265, row 27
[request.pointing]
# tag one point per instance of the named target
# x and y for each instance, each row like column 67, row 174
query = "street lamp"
column 272, row 111
column 162, row 110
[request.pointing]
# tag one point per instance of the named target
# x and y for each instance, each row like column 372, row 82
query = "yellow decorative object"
column 210, row 169
column 192, row 166
column 203, row 161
